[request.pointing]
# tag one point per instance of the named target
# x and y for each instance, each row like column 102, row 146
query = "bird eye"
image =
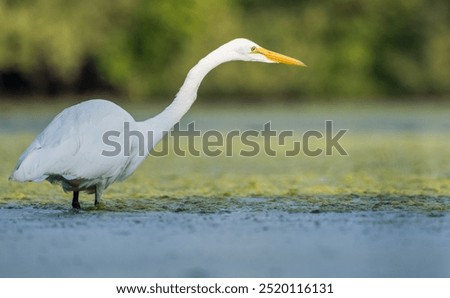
column 253, row 49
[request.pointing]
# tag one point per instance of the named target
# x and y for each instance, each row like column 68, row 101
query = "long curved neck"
column 188, row 91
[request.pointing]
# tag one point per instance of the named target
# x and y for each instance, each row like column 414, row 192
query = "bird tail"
column 21, row 176
column 27, row 170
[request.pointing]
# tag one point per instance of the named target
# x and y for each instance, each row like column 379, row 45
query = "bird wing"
column 72, row 144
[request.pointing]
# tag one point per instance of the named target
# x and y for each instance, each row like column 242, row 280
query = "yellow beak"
column 278, row 58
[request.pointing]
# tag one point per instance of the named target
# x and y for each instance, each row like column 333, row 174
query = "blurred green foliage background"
column 143, row 49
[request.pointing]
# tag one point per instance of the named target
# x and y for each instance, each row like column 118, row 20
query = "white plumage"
column 71, row 149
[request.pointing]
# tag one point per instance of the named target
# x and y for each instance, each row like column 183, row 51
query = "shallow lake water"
column 244, row 243
column 381, row 211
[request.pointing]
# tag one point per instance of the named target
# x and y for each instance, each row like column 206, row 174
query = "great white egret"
column 70, row 150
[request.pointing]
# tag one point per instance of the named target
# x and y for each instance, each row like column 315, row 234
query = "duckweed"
column 385, row 170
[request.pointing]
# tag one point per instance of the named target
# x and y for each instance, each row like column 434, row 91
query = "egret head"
column 246, row 50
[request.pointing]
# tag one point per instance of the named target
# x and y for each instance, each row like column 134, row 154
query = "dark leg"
column 75, row 203
column 97, row 198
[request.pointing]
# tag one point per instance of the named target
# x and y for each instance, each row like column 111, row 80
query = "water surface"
column 381, row 211
column 244, row 243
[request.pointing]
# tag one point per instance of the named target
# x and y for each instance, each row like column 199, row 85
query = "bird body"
column 74, row 138
column 75, row 150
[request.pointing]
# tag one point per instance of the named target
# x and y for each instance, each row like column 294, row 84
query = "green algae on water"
column 385, row 170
